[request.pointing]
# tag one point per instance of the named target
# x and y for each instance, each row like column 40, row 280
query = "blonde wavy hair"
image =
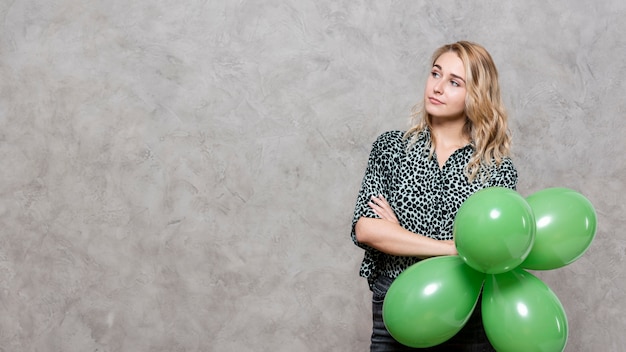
column 486, row 118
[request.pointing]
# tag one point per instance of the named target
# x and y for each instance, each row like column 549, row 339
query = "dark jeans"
column 471, row 338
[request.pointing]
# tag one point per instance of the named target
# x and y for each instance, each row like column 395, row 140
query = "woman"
column 416, row 180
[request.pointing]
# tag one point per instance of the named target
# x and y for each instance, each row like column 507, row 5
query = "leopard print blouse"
column 424, row 196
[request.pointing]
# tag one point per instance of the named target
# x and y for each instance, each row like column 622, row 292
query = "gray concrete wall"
column 180, row 176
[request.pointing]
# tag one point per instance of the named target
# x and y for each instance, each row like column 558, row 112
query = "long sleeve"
column 377, row 178
column 375, row 182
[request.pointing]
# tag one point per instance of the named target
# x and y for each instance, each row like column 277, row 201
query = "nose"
column 438, row 87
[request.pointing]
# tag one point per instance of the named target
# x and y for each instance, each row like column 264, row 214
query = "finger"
column 385, row 207
column 382, row 202
column 376, row 200
column 377, row 208
column 379, row 211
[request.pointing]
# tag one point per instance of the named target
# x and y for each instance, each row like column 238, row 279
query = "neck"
column 449, row 133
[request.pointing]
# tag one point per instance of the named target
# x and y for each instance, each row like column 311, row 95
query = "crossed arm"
column 386, row 235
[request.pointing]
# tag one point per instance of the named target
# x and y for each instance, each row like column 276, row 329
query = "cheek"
column 460, row 99
column 427, row 91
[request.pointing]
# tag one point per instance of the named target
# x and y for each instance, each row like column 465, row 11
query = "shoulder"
column 507, row 164
column 390, row 136
column 505, row 174
column 390, row 140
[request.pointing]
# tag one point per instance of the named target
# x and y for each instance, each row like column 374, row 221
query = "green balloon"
column 566, row 225
column 494, row 230
column 431, row 301
column 521, row 313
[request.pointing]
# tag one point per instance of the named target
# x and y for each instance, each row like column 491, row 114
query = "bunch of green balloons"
column 498, row 235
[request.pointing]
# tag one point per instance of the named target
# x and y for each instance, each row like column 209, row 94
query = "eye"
column 455, row 83
column 435, row 74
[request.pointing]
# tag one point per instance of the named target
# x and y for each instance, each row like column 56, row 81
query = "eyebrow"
column 452, row 74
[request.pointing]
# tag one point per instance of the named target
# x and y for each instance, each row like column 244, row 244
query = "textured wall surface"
column 181, row 176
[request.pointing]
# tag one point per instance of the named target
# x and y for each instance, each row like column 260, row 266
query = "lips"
column 435, row 101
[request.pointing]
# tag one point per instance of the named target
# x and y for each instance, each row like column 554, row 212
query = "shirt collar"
column 424, row 136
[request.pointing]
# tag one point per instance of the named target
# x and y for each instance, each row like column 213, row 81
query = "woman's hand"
column 381, row 207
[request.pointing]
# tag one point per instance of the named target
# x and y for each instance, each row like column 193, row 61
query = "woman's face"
column 444, row 96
